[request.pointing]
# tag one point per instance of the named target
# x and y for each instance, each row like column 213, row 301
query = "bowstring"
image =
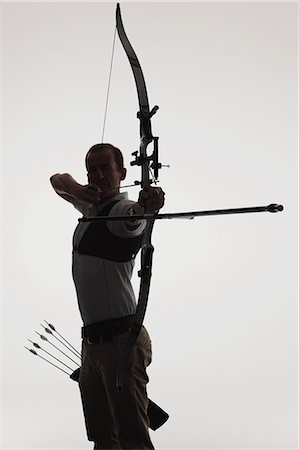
column 108, row 87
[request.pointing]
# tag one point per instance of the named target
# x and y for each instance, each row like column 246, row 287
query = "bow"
column 149, row 168
column 149, row 173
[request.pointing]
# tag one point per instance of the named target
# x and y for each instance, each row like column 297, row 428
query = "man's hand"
column 68, row 188
column 90, row 194
column 151, row 199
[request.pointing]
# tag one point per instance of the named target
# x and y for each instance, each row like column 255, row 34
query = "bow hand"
column 152, row 199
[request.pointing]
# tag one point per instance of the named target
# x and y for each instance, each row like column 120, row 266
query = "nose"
column 99, row 173
column 95, row 176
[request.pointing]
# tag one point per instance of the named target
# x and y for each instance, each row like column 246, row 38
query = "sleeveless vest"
column 99, row 241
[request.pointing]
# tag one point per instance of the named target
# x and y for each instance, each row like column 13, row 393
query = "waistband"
column 105, row 330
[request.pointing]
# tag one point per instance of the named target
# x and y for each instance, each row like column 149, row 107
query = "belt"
column 105, row 330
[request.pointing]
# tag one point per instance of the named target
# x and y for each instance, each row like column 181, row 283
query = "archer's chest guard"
column 99, row 241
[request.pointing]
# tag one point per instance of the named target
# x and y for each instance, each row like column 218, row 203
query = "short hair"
column 118, row 156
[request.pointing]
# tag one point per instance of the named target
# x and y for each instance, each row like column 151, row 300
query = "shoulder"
column 121, row 207
column 119, row 228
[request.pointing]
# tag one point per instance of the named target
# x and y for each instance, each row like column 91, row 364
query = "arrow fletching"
column 31, row 350
column 50, row 325
column 42, row 337
column 34, row 343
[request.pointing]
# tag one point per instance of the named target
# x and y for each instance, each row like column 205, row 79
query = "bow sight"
column 155, row 165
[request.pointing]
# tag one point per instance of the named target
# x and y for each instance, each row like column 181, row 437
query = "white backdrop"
column 222, row 312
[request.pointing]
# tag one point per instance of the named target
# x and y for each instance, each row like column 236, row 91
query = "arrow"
column 36, row 354
column 54, row 329
column 52, row 356
column 77, row 354
column 53, row 345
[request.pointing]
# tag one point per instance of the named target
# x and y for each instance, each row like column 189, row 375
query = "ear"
column 124, row 174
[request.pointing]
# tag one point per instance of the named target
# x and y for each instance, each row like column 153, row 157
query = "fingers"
column 93, row 187
column 90, row 194
column 152, row 199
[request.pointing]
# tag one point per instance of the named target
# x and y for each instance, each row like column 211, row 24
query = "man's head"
column 105, row 168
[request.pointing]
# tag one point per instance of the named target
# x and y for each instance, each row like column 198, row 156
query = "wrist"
column 138, row 208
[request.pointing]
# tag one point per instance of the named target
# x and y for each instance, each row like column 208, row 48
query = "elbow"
column 52, row 178
column 55, row 179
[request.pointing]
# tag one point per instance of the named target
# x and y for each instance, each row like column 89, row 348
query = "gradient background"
column 223, row 306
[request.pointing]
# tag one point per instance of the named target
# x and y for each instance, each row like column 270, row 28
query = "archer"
column 103, row 261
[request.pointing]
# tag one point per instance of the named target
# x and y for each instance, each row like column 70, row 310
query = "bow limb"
column 144, row 114
column 146, row 162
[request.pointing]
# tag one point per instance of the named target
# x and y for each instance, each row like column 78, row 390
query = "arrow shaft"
column 62, row 343
column 65, row 340
column 52, row 356
column 77, row 353
column 57, row 348
column 45, row 359
column 55, row 365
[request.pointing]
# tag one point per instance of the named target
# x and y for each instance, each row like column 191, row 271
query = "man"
column 103, row 261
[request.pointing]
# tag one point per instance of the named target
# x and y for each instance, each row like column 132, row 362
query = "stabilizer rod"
column 272, row 208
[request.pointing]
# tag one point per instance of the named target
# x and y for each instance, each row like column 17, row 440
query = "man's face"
column 103, row 171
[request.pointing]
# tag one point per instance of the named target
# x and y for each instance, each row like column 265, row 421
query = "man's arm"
column 68, row 188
